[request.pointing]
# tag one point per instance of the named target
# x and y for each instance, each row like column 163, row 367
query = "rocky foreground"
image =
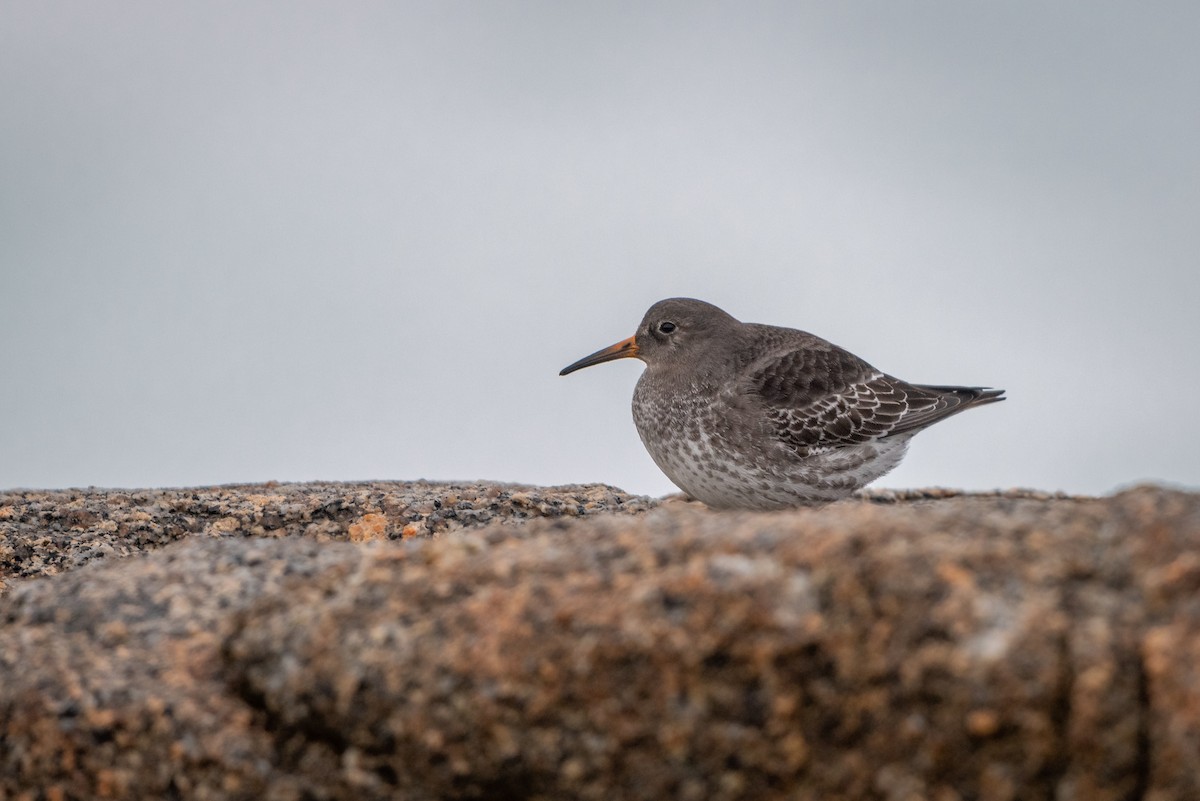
column 472, row 641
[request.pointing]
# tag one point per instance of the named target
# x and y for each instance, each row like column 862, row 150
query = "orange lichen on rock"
column 371, row 526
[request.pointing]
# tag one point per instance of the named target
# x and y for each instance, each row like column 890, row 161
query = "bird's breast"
column 690, row 431
column 671, row 411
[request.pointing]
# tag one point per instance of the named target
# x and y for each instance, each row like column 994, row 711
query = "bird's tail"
column 967, row 396
column 934, row 403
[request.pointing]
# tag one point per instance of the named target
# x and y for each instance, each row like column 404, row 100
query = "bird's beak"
column 625, row 349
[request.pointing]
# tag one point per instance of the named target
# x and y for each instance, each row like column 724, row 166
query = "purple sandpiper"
column 747, row 416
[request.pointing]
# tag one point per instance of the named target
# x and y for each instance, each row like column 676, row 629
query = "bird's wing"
column 821, row 397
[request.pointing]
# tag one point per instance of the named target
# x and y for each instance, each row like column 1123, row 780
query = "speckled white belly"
column 727, row 462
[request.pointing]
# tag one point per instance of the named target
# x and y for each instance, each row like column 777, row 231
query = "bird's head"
column 671, row 330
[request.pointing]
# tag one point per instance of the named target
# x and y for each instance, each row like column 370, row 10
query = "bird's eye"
column 666, row 326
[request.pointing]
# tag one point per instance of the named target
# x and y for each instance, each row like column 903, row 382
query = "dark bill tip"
column 625, row 349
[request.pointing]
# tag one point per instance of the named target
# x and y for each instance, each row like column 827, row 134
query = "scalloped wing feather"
column 822, row 398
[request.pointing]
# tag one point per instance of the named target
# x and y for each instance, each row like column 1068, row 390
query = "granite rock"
column 940, row 646
column 44, row 532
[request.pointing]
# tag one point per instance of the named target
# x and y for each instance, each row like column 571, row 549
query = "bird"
column 761, row 417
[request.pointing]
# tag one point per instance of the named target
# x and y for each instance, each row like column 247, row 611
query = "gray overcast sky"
column 300, row 240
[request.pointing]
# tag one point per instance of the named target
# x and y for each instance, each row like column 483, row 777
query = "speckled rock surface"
column 46, row 532
column 941, row 646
